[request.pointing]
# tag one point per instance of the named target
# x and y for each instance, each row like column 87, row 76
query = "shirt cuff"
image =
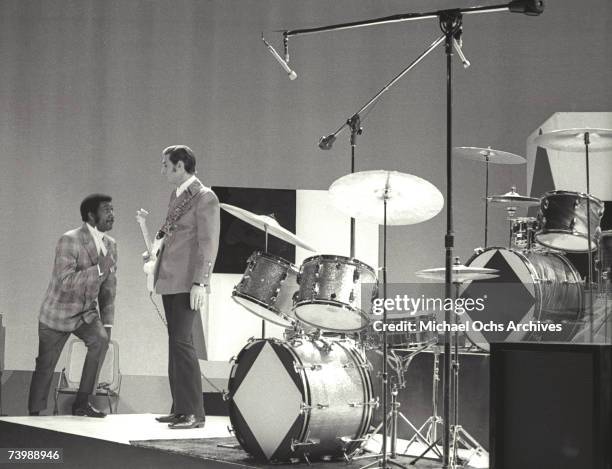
column 108, row 325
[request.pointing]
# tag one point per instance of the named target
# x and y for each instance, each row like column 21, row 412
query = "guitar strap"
column 175, row 213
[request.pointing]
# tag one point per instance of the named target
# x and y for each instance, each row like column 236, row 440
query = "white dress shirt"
column 183, row 187
column 98, row 237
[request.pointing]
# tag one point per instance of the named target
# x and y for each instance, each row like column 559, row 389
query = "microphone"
column 325, row 143
column 528, row 7
column 280, row 60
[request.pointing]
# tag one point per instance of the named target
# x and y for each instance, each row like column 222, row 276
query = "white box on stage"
column 549, row 170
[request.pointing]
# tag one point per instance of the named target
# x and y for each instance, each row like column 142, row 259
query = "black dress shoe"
column 170, row 418
column 87, row 411
column 187, row 421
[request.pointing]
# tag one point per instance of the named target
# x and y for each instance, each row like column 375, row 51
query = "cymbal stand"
column 486, row 223
column 511, row 214
column 431, row 424
column 459, row 434
column 587, row 142
column 382, row 459
column 400, row 364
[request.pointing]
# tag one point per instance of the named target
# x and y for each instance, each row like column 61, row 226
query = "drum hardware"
column 399, row 363
column 576, row 140
column 387, row 198
column 488, row 155
column 458, row 434
column 451, row 23
column 522, row 233
column 269, row 226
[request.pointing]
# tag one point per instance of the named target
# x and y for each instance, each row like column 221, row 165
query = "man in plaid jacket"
column 80, row 300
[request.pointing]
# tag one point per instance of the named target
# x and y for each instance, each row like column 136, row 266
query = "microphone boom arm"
column 325, row 143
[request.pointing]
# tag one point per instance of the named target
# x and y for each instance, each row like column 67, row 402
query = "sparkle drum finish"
column 563, row 221
column 335, row 293
column 300, row 398
column 532, row 286
column 267, row 288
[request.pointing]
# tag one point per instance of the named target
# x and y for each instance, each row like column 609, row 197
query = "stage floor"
column 123, row 428
column 143, row 431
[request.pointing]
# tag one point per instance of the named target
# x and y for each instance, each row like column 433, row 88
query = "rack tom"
column 564, row 221
column 335, row 293
column 267, row 288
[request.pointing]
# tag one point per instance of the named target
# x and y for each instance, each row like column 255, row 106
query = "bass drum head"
column 265, row 424
column 512, row 296
column 542, row 287
column 299, row 391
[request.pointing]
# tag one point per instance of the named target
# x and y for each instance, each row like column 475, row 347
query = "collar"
column 95, row 233
column 183, row 187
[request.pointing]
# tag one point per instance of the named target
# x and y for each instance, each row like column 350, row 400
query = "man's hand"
column 108, row 331
column 197, row 297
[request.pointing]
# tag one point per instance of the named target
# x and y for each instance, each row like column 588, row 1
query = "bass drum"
column 298, row 399
column 531, row 287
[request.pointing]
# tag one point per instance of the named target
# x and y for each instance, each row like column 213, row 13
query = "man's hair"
column 182, row 153
column 91, row 203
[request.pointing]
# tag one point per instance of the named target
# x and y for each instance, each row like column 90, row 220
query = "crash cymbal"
column 514, row 198
column 488, row 154
column 266, row 223
column 572, row 140
column 410, row 199
column 461, row 273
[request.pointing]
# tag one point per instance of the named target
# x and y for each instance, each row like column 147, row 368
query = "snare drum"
column 563, row 221
column 523, row 232
column 267, row 288
column 335, row 293
column 300, row 399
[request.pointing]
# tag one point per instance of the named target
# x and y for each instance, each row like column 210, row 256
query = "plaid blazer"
column 76, row 290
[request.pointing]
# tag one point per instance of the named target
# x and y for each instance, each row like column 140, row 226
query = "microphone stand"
column 354, row 122
column 451, row 24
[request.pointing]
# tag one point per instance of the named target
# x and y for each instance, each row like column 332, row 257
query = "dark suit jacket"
column 190, row 250
column 76, row 290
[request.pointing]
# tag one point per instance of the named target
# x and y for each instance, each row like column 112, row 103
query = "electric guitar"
column 153, row 249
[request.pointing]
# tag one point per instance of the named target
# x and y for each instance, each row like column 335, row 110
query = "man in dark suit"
column 80, row 300
column 182, row 277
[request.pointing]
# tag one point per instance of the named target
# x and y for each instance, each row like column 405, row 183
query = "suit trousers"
column 183, row 366
column 50, row 345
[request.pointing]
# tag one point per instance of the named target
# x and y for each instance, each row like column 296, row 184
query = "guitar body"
column 153, row 250
column 150, row 266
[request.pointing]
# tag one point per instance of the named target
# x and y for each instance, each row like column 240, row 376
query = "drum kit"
column 310, row 395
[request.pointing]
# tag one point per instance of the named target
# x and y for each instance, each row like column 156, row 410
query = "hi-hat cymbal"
column 490, row 155
column 410, row 199
column 461, row 273
column 266, row 223
column 514, row 198
column 572, row 140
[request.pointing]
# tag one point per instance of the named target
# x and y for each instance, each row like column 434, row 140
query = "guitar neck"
column 145, row 236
